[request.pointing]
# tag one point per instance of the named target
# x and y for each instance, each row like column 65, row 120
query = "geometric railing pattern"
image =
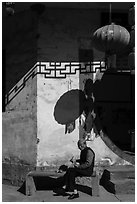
column 61, row 69
column 58, row 70
column 54, row 70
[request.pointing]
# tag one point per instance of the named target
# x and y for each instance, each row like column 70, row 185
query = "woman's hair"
column 82, row 142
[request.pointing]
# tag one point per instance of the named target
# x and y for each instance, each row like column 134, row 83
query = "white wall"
column 55, row 147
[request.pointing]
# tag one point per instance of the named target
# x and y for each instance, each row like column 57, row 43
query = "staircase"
column 119, row 179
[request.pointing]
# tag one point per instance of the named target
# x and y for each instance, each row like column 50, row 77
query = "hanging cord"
column 110, row 13
column 110, row 19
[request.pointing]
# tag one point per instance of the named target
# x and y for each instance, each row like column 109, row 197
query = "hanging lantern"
column 111, row 38
column 131, row 60
column 131, row 16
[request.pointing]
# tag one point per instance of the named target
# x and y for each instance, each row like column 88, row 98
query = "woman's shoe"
column 73, row 196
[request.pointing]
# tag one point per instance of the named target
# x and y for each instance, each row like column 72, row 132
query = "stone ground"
column 11, row 194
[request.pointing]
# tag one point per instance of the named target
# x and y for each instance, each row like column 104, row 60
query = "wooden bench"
column 31, row 188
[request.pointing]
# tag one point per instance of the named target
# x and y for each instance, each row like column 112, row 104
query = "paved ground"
column 11, row 194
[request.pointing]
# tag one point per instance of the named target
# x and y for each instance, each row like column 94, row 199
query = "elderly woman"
column 82, row 167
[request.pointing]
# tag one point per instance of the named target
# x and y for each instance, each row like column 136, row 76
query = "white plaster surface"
column 102, row 152
column 39, row 98
column 55, row 146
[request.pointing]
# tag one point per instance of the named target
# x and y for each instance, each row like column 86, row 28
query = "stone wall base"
column 15, row 174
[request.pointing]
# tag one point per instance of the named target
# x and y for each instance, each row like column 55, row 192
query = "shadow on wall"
column 114, row 106
column 69, row 106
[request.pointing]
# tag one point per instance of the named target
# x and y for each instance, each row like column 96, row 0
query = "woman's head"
column 82, row 144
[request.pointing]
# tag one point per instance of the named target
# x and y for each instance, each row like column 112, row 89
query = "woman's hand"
column 76, row 164
column 72, row 160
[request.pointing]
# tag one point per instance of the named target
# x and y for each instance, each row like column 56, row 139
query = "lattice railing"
column 55, row 70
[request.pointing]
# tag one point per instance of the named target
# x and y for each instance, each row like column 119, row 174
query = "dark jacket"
column 87, row 159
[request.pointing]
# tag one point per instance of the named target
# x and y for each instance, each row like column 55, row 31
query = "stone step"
column 120, row 186
column 119, row 179
column 121, row 175
column 120, row 172
column 124, row 186
column 124, row 168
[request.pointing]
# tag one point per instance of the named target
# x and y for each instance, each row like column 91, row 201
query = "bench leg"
column 95, row 186
column 30, row 186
